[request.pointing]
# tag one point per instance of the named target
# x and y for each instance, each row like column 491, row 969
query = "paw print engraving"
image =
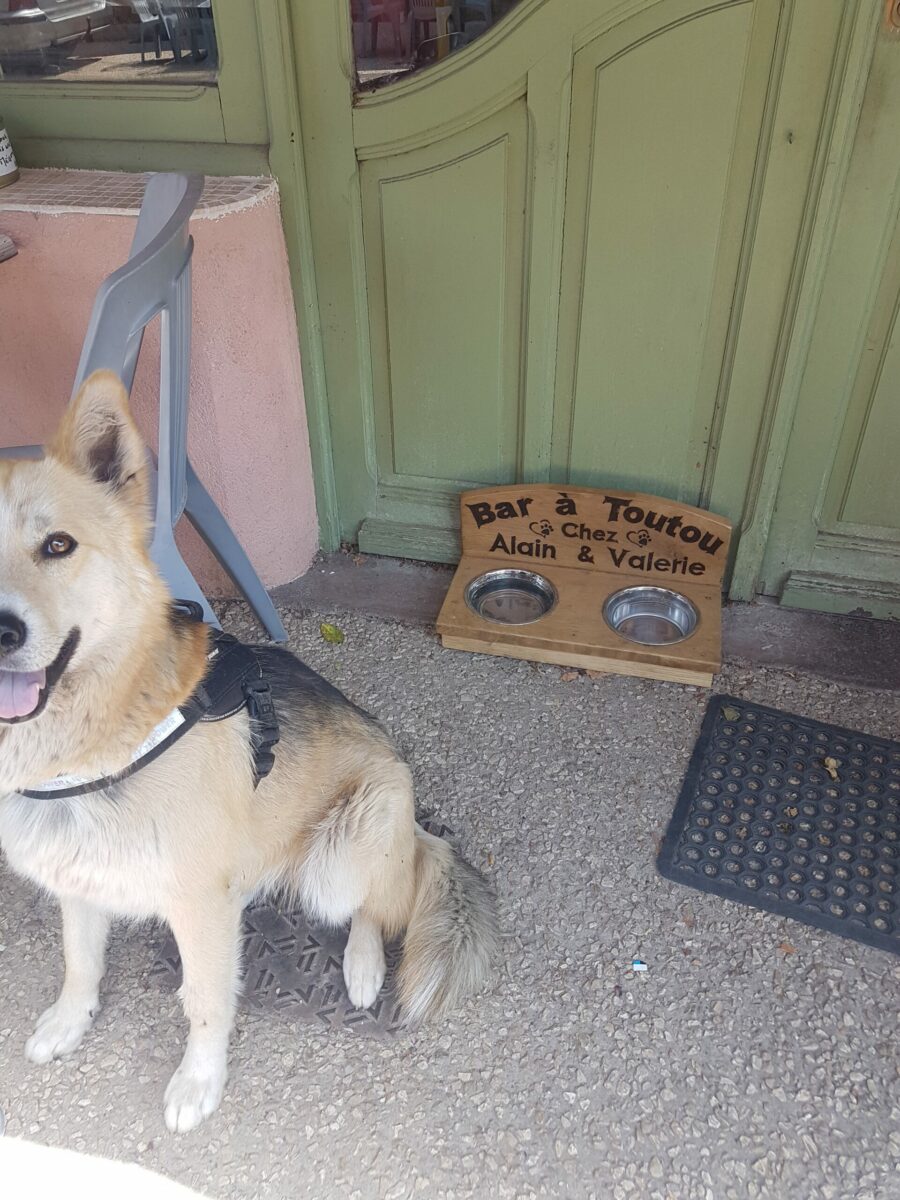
column 639, row 537
column 544, row 528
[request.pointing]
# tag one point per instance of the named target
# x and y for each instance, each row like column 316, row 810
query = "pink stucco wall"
column 248, row 436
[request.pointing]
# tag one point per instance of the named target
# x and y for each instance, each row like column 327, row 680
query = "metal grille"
column 291, row 964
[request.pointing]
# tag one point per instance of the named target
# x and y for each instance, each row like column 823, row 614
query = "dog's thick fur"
column 187, row 838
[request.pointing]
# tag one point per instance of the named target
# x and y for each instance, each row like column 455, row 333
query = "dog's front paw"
column 58, row 1032
column 192, row 1095
column 364, row 969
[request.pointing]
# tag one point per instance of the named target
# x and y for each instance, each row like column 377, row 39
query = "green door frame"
column 832, row 137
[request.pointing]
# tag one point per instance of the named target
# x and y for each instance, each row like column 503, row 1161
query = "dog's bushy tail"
column 452, row 938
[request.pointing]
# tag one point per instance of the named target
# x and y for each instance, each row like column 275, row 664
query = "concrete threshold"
column 855, row 650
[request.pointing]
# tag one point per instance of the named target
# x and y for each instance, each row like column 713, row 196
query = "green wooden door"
column 835, row 537
column 567, row 252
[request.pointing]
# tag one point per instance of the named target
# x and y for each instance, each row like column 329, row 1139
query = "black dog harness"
column 234, row 680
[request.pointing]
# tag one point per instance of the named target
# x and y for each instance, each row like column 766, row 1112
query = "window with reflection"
column 393, row 37
column 108, row 41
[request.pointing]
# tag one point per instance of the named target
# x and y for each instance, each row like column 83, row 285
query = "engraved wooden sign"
column 606, row 579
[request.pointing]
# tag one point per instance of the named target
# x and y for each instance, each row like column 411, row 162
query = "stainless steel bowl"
column 510, row 597
column 650, row 616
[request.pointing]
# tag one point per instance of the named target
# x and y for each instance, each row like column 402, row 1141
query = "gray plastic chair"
column 156, row 280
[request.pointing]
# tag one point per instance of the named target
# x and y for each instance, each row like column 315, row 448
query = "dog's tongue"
column 20, row 692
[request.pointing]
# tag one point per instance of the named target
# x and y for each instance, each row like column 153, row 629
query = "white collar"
column 66, row 783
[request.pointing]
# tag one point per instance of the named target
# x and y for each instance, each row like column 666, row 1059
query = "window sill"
column 119, row 193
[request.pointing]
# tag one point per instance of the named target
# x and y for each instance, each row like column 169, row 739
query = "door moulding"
column 850, row 75
column 839, row 593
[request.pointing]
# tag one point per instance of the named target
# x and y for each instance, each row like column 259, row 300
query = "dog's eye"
column 58, row 545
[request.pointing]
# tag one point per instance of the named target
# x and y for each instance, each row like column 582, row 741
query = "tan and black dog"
column 93, row 658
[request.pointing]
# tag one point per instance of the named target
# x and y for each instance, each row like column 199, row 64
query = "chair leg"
column 180, row 581
column 174, row 391
column 169, row 480
column 174, row 570
column 206, row 518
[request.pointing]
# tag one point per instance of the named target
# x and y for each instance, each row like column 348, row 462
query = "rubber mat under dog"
column 290, row 964
column 792, row 816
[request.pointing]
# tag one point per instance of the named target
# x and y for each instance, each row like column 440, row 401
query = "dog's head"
column 75, row 576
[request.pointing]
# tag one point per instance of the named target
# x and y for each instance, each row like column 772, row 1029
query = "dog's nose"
column 12, row 633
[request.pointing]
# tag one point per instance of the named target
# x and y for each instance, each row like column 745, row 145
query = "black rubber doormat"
column 792, row 816
column 292, row 965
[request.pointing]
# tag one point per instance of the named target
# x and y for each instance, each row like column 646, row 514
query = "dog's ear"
column 98, row 436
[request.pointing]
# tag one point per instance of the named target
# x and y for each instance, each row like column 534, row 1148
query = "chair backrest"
column 131, row 297
column 160, row 251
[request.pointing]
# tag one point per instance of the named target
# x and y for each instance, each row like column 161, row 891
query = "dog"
column 93, row 657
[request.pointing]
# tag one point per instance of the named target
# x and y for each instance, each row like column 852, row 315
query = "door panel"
column 444, row 234
column 871, row 486
column 656, row 129
column 663, row 116
column 835, row 537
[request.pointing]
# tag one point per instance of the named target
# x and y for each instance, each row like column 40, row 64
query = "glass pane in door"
column 393, row 37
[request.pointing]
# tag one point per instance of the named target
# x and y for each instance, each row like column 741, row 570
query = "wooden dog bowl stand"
column 590, row 543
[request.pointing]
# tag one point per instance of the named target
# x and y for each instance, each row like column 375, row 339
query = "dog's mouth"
column 23, row 694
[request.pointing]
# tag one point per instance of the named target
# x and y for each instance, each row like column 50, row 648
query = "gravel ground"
column 755, row 1058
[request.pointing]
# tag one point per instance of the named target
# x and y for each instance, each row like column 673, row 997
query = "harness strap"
column 234, row 680
column 175, row 726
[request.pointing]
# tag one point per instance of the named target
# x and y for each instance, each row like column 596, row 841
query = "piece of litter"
column 638, row 964
column 331, row 633
column 831, row 766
